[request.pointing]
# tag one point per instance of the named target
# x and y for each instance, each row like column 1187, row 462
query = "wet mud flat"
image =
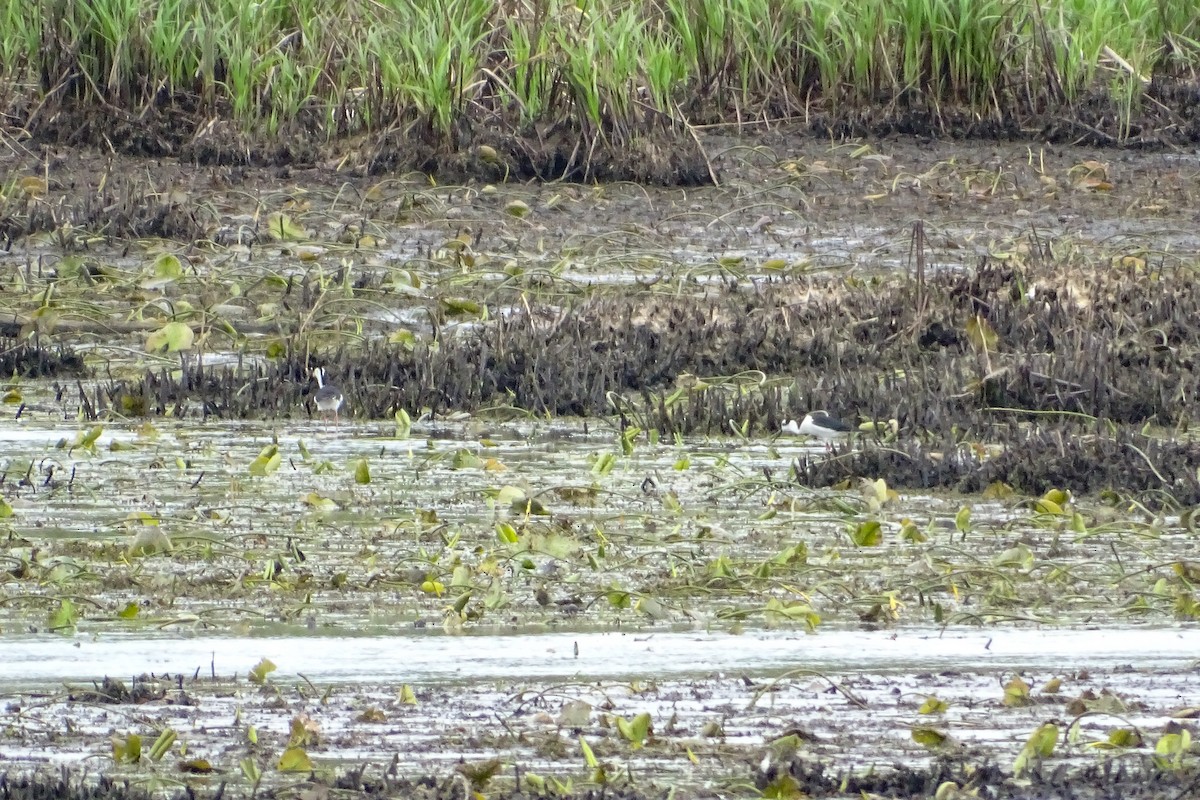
column 1025, row 314
column 830, row 734
column 313, row 569
column 971, row 293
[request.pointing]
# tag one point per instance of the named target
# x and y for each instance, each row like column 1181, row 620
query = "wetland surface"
column 559, row 535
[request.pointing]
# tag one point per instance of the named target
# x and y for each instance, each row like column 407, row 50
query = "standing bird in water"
column 329, row 398
column 821, row 425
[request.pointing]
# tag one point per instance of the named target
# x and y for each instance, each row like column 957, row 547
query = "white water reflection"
column 441, row 658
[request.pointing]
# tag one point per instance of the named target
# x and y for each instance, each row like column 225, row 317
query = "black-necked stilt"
column 329, row 398
column 821, row 425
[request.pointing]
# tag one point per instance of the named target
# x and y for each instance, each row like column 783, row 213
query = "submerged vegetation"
column 547, row 84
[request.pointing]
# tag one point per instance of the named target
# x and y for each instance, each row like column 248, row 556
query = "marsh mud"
column 963, row 296
column 650, row 147
column 589, row 376
column 805, row 718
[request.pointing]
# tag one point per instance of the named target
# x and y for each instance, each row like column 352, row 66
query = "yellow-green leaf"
column 261, row 670
column 168, row 266
column 172, row 337
column 981, row 334
column 267, row 461
column 282, row 228
column 294, row 759
column 868, row 534
column 932, row 705
column 929, row 737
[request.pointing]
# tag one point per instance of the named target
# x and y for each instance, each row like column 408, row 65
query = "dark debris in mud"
column 1080, row 365
column 1106, row 780
column 1032, row 461
column 650, row 149
column 28, row 358
column 658, row 152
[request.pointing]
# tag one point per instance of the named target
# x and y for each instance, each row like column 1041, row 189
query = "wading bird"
column 329, row 398
column 821, row 425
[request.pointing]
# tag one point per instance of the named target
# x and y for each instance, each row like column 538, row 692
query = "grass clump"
column 608, row 68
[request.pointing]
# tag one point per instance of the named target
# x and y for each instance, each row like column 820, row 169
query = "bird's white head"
column 791, row 427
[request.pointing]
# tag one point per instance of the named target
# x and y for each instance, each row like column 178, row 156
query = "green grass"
column 602, row 64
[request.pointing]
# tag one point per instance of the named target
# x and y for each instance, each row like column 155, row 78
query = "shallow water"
column 644, row 655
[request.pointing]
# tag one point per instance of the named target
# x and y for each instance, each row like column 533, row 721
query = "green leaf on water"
column 1016, row 693
column 868, row 534
column 282, row 228
column 172, row 337
column 65, row 616
column 909, row 532
column 929, row 737
column 90, row 438
column 1119, row 739
column 362, row 472
column 460, row 306
column 465, row 459
column 618, row 598
column 962, row 520
column 777, row 610
column 127, row 749
column 1020, row 557
column 250, row 770
column 1043, row 740
column 129, row 611
column 506, row 533
column 1050, row 507
column 261, row 670
column 784, row 787
column 267, row 461
column 589, row 757
column 403, row 424
column 167, row 265
column 604, row 463
column 933, row 705
column 6, row 510
column 294, row 759
column 635, row 730
column 405, row 338
column 1171, row 748
column 516, row 208
column 407, row 696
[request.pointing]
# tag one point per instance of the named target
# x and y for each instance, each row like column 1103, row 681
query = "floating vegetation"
column 552, row 538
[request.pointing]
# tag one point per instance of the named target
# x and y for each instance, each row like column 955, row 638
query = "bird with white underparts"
column 820, row 425
column 329, row 398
